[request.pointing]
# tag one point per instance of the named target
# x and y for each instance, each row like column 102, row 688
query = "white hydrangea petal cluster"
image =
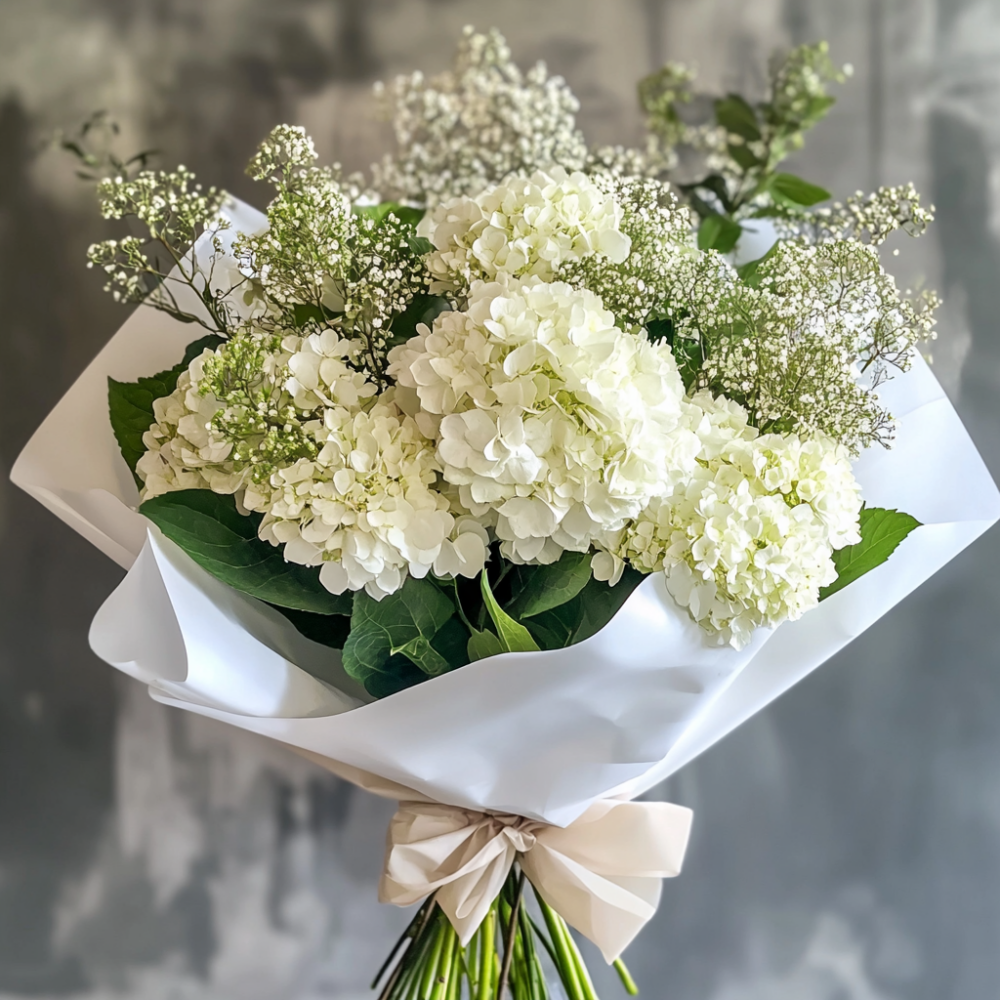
column 363, row 502
column 550, row 416
column 319, row 374
column 184, row 452
column 747, row 541
column 365, row 508
column 523, row 226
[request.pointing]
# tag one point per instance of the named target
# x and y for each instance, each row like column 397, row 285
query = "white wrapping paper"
column 542, row 735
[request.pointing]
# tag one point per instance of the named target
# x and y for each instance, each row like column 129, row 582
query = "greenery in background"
column 748, row 143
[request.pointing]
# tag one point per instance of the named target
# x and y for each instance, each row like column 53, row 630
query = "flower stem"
column 508, row 948
column 626, row 977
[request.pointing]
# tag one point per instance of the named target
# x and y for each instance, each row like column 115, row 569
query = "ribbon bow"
column 602, row 873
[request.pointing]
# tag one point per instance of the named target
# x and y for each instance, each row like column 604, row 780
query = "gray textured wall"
column 847, row 844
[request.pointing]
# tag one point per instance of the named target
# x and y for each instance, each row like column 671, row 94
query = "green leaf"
column 304, row 313
column 718, row 185
column 718, row 233
column 513, row 635
column 130, row 404
column 422, row 309
column 748, row 271
column 881, row 532
column 403, row 624
column 541, row 588
column 209, row 528
column 744, row 156
column 586, row 614
column 735, row 115
column 796, row 190
column 483, row 644
column 660, row 329
column 327, row 630
column 420, row 245
column 405, row 213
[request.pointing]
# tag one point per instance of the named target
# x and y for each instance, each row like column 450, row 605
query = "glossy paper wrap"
column 541, row 735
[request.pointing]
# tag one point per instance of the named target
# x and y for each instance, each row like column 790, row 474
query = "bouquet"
column 507, row 481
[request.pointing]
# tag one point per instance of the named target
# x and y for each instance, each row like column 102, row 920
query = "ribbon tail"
column 467, row 900
column 610, row 911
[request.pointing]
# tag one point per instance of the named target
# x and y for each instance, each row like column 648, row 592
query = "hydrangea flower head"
column 748, row 539
column 549, row 413
column 521, row 227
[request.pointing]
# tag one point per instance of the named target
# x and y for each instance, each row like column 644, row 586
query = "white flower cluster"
column 184, row 452
column 365, row 508
column 551, row 419
column 523, row 226
column 747, row 540
column 545, row 411
column 468, row 128
column 350, row 485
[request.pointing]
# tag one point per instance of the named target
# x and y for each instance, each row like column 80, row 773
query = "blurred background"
column 847, row 841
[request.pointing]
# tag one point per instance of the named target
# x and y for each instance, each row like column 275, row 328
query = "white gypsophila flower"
column 522, row 226
column 365, row 508
column 183, row 450
column 550, row 416
column 462, row 130
column 747, row 540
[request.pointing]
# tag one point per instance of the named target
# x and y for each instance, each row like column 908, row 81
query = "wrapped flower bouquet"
column 509, row 481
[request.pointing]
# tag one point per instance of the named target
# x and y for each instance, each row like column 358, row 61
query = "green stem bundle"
column 501, row 961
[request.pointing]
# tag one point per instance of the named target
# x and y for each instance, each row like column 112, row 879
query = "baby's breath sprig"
column 868, row 218
column 805, row 350
column 176, row 212
column 355, row 270
column 743, row 147
column 641, row 287
column 256, row 414
column 469, row 127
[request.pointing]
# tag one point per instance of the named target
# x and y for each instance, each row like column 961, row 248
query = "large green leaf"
column 881, row 532
column 795, row 189
column 716, row 232
column 403, row 624
column 735, row 115
column 130, row 404
column 584, row 615
column 512, row 634
column 541, row 588
column 327, row 630
column 744, row 156
column 209, row 528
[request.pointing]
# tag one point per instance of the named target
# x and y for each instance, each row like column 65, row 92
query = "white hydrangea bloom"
column 551, row 417
column 747, row 541
column 183, row 451
column 523, row 226
column 319, row 374
column 365, row 509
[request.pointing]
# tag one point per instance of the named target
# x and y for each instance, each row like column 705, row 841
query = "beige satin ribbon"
column 603, row 873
